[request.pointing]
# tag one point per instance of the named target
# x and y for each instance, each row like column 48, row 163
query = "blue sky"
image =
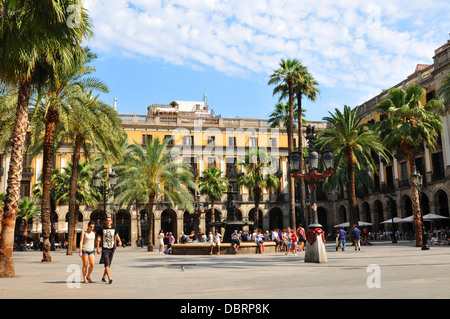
column 157, row 51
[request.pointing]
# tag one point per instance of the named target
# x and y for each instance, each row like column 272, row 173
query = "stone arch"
column 406, row 206
column 441, row 203
column 275, row 218
column 366, row 215
column 342, row 218
column 322, row 216
column 377, row 214
column 122, row 222
column 251, row 217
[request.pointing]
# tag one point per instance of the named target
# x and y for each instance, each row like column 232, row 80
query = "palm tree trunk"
column 213, row 216
column 257, row 194
column 8, row 219
column 47, row 166
column 25, row 231
column 410, row 153
column 300, row 186
column 72, row 195
column 138, row 224
column 150, row 222
column 290, row 150
column 75, row 226
column 351, row 189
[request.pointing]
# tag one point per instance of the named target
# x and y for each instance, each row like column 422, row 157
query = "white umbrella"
column 389, row 221
column 408, row 219
column 426, row 217
column 347, row 224
column 433, row 217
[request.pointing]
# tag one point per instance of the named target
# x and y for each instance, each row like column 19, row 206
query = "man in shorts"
column 108, row 236
column 217, row 239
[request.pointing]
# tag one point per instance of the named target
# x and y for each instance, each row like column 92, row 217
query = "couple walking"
column 88, row 243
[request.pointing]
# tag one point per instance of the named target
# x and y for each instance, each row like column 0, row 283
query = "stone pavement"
column 384, row 270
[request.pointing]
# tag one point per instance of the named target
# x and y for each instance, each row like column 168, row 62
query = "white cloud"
column 344, row 43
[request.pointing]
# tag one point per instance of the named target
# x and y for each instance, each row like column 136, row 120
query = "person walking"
column 161, row 242
column 171, row 242
column 342, row 234
column 301, row 237
column 357, row 237
column 87, row 251
column 107, row 237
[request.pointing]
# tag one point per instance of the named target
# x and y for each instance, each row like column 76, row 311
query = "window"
column 145, row 136
column 232, row 141
column 211, row 140
column 273, row 142
column 188, row 140
column 253, row 142
column 211, row 161
column 170, row 139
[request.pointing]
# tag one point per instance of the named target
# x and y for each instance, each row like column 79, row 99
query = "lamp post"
column 391, row 199
column 417, row 180
column 103, row 188
column 315, row 247
column 200, row 208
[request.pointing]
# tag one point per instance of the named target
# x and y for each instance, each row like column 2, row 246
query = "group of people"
column 341, row 235
column 287, row 240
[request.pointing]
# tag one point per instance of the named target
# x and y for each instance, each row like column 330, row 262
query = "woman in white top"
column 161, row 242
column 87, row 252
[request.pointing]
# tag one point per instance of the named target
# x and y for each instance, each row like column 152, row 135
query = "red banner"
column 311, row 235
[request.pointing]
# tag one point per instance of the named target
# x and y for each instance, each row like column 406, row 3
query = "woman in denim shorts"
column 87, row 252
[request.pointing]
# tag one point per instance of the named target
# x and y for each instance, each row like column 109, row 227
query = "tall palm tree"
column 93, row 125
column 150, row 171
column 62, row 98
column 27, row 209
column 352, row 144
column 305, row 87
column 213, row 185
column 410, row 123
column 286, row 76
column 257, row 174
column 34, row 37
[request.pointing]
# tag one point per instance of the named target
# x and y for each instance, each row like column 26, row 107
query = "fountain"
column 231, row 223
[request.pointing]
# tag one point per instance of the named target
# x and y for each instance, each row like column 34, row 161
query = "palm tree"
column 306, row 86
column 257, row 174
column 34, row 37
column 409, row 124
column 280, row 115
column 150, row 171
column 61, row 99
column 213, row 185
column 286, row 76
column 352, row 145
column 27, row 209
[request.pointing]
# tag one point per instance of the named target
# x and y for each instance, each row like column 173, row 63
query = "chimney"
column 115, row 104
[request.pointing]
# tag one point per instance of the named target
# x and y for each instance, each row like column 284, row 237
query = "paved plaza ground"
column 384, row 270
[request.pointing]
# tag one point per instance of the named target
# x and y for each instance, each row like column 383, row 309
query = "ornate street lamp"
column 315, row 248
column 103, row 188
column 199, row 209
column 417, row 180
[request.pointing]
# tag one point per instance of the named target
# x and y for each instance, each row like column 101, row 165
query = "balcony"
column 27, row 172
